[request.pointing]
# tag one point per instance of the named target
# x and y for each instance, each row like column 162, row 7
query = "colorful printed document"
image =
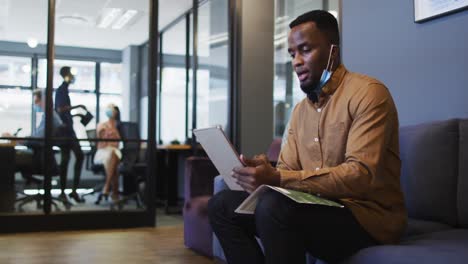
column 248, row 206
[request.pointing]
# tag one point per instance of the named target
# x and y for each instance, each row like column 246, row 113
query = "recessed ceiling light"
column 73, row 20
column 124, row 19
column 32, row 43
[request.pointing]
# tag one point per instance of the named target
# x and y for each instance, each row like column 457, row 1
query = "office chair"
column 132, row 166
column 38, row 170
column 97, row 169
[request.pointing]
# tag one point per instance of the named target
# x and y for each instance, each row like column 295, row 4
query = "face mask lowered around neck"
column 327, row 72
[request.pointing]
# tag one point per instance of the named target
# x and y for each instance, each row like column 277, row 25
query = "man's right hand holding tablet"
column 257, row 171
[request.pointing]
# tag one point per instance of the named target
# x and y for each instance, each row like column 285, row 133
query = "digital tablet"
column 221, row 152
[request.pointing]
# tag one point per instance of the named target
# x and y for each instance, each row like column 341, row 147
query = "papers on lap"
column 249, row 204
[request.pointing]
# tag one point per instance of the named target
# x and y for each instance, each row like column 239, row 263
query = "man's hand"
column 257, row 171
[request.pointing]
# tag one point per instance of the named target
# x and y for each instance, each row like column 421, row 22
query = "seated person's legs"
column 110, row 158
column 24, row 163
column 236, row 232
column 288, row 230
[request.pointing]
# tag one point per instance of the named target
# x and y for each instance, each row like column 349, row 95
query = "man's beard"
column 311, row 91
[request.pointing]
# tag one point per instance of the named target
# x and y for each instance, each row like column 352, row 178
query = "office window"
column 213, row 74
column 173, row 90
column 84, row 71
column 15, row 71
column 16, row 111
column 111, row 78
column 287, row 92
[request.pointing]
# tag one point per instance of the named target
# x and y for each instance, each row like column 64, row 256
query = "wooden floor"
column 144, row 245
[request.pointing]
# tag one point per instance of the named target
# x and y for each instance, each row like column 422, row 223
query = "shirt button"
column 319, row 110
column 316, row 139
column 317, row 168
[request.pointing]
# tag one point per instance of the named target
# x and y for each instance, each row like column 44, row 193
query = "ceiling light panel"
column 124, row 19
column 109, row 15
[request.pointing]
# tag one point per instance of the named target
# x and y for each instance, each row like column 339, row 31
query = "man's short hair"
column 64, row 71
column 324, row 21
column 39, row 93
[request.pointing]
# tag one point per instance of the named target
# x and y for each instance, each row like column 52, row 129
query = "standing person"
column 63, row 107
column 342, row 144
column 108, row 152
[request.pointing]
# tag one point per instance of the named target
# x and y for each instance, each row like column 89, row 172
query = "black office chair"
column 97, row 169
column 37, row 170
column 132, row 166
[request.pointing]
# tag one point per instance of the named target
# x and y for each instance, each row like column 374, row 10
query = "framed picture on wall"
column 428, row 9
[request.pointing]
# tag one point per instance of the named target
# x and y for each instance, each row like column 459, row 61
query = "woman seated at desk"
column 108, row 152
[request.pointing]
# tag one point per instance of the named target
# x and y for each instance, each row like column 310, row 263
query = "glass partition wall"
column 22, row 35
column 100, row 143
column 88, row 59
column 72, row 152
column 212, row 72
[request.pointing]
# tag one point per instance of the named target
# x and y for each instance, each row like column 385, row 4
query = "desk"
column 7, row 178
column 169, row 157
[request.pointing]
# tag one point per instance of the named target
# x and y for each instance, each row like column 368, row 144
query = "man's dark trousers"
column 287, row 230
column 71, row 145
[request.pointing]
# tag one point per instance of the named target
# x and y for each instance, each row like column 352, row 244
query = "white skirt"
column 104, row 154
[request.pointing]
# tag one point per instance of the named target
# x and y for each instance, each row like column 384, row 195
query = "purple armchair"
column 199, row 175
column 199, row 182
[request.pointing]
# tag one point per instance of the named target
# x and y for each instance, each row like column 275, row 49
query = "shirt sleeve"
column 40, row 129
column 367, row 141
column 60, row 100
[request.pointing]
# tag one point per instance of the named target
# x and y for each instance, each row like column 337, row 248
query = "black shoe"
column 100, row 196
column 75, row 196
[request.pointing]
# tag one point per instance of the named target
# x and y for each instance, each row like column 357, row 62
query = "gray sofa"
column 435, row 183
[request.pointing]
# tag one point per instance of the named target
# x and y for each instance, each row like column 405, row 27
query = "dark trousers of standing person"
column 287, row 230
column 72, row 145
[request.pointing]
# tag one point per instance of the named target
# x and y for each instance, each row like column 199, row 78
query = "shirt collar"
column 330, row 87
column 335, row 80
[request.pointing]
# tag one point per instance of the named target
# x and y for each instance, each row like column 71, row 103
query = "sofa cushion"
column 419, row 227
column 429, row 154
column 463, row 175
column 439, row 247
